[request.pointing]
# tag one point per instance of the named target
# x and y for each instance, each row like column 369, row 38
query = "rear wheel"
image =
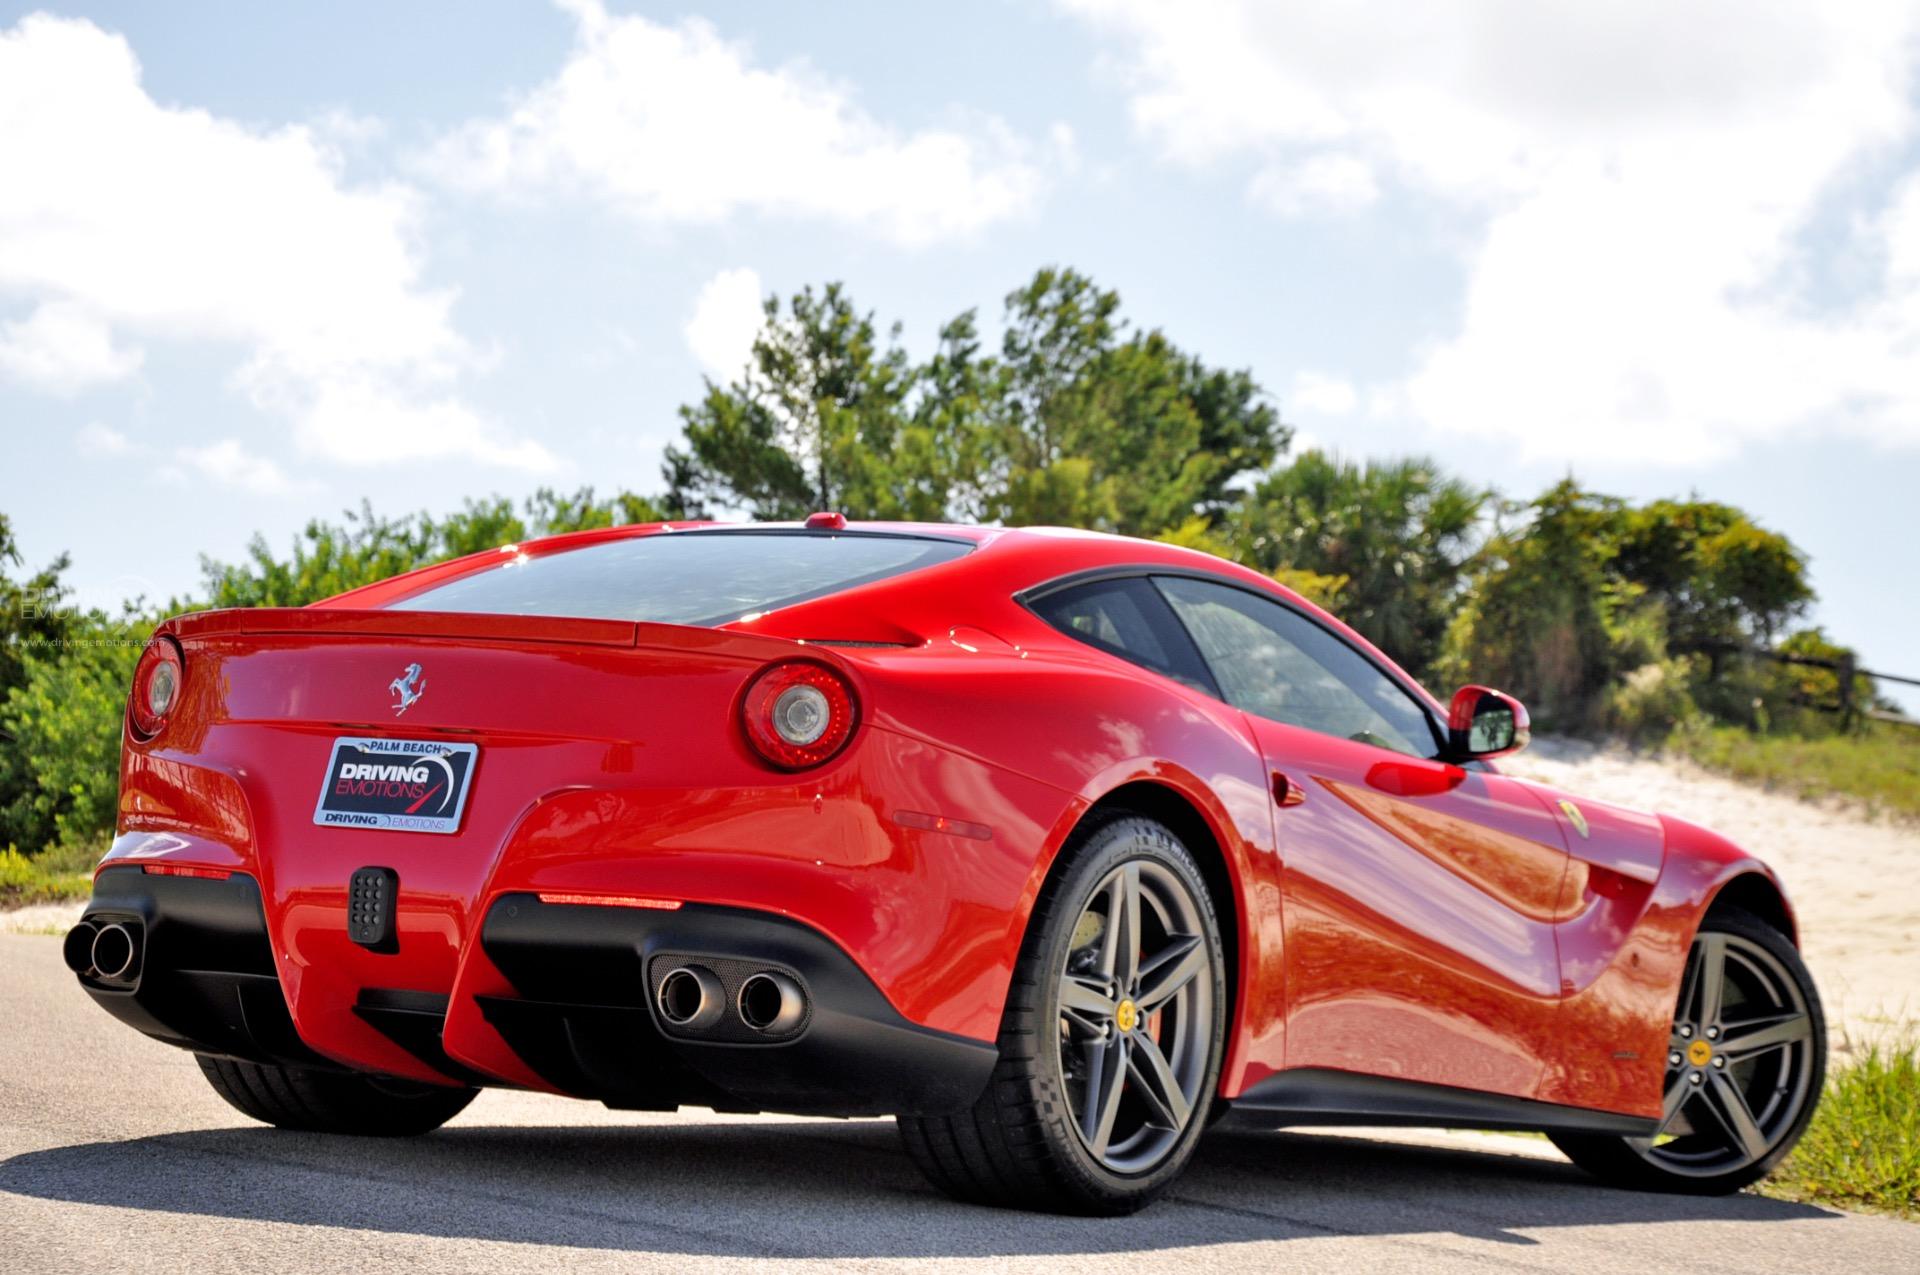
column 332, row 1102
column 1111, row 1041
column 1745, row 1063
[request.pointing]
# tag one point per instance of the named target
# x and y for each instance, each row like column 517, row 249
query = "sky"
column 261, row 262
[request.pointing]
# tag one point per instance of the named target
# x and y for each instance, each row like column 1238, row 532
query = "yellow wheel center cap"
column 1126, row 1016
column 1699, row 1053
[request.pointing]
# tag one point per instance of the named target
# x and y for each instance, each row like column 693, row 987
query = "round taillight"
column 156, row 686
column 799, row 714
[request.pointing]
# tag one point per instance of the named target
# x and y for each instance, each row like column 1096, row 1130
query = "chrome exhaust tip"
column 77, row 948
column 771, row 1003
column 690, row 997
column 114, row 953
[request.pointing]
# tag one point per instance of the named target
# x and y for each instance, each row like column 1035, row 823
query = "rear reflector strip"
column 614, row 901
column 182, row 870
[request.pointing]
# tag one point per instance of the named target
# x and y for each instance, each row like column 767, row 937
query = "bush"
column 1650, row 703
column 24, row 880
column 16, row 870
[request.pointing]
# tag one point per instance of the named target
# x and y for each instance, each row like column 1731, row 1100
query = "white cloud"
column 230, row 464
column 727, row 315
column 353, row 421
column 1316, row 184
column 96, row 439
column 1318, row 394
column 63, row 348
column 123, row 220
column 673, row 124
column 1653, row 182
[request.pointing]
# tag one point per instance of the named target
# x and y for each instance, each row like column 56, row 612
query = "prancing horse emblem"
column 407, row 688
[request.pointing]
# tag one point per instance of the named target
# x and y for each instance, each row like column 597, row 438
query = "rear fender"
column 1234, row 809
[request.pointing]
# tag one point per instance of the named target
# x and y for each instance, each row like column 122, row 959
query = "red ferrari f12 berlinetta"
column 1055, row 846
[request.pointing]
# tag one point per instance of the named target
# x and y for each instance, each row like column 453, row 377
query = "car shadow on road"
column 822, row 1189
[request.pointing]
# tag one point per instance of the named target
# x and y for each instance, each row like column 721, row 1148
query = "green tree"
column 1399, row 533
column 813, row 424
column 1542, row 618
column 35, row 624
column 1078, row 420
column 1097, row 426
column 1723, row 580
column 550, row 513
column 951, row 441
column 327, row 558
column 63, row 720
column 33, row 610
column 331, row 557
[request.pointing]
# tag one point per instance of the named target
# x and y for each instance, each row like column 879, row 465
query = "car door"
column 1419, row 898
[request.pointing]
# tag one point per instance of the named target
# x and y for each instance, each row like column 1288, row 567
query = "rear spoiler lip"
column 327, row 622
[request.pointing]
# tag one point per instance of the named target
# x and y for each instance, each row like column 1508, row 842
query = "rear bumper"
column 584, row 1016
column 578, row 1010
column 204, row 975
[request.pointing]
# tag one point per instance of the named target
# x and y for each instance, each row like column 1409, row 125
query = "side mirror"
column 1485, row 723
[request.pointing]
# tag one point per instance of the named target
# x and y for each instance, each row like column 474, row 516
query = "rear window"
column 684, row 577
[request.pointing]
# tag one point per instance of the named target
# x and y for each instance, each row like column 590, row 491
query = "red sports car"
column 1056, row 846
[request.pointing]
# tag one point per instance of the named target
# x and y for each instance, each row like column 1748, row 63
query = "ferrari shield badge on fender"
column 1574, row 817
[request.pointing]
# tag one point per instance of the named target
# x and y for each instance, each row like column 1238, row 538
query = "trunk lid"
column 536, row 706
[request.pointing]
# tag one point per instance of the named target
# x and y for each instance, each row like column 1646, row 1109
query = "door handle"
column 1286, row 792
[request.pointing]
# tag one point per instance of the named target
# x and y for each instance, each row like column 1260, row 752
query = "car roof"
column 1029, row 556
column 1015, row 559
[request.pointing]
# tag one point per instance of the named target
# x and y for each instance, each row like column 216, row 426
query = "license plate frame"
column 389, row 785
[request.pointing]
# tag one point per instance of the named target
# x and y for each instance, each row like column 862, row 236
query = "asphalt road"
column 114, row 1154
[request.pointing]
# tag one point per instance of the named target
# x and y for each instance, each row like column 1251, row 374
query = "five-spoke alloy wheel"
column 1745, row 1061
column 1136, row 1005
column 1111, row 1042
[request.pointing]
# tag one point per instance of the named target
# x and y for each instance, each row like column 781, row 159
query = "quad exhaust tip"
column 114, row 952
column 77, row 950
column 771, row 1003
column 110, row 952
column 691, row 998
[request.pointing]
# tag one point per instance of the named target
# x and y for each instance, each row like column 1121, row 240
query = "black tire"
column 1689, row 1165
column 1021, row 1145
column 332, row 1102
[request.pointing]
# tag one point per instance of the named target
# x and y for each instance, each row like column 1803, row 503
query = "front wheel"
column 1111, row 1041
column 1745, row 1062
column 332, row 1102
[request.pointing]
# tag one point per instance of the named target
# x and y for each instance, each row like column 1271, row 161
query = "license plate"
column 408, row 785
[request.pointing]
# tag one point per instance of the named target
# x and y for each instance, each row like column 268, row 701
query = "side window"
column 1129, row 619
column 1278, row 664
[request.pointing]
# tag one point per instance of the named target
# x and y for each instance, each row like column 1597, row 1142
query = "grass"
column 1879, row 769
column 49, row 878
column 1862, row 1150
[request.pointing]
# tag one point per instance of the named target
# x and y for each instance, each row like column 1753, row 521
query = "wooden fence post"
column 1849, row 719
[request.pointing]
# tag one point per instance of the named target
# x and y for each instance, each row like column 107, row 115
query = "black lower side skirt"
column 1316, row 1096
